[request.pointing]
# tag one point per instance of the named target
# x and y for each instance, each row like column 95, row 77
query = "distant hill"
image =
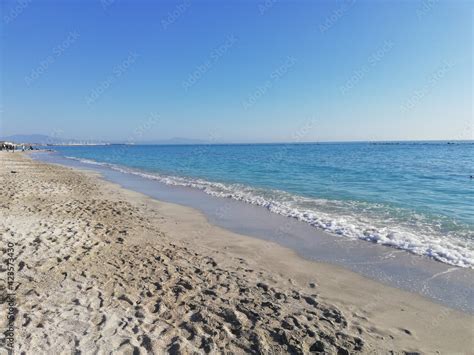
column 32, row 138
column 41, row 139
column 44, row 139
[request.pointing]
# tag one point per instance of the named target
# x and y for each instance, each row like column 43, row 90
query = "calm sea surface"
column 413, row 196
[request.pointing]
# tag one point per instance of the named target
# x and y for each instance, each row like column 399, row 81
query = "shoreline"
column 442, row 283
column 379, row 317
column 334, row 216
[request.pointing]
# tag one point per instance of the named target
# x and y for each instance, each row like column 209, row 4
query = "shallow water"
column 412, row 196
column 442, row 283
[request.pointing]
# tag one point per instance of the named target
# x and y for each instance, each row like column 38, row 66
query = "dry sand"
column 100, row 269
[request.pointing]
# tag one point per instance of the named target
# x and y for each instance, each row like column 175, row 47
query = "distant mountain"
column 31, row 138
column 42, row 139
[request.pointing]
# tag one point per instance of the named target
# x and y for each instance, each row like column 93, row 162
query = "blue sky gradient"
column 238, row 71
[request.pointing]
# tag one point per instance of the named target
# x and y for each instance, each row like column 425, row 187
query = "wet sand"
column 101, row 268
column 442, row 283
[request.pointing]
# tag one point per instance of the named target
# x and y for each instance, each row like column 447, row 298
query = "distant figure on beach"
column 7, row 147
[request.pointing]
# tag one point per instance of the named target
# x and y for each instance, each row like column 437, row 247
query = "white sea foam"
column 335, row 217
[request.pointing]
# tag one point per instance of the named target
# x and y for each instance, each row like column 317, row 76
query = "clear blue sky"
column 237, row 71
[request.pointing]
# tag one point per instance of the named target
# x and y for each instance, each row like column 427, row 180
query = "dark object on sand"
column 7, row 146
column 13, row 172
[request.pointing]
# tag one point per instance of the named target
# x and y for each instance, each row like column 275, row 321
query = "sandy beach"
column 101, row 269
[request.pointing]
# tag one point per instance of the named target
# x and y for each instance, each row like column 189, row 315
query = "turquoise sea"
column 415, row 196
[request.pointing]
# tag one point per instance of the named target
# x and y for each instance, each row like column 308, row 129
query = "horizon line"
column 199, row 141
column 269, row 143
